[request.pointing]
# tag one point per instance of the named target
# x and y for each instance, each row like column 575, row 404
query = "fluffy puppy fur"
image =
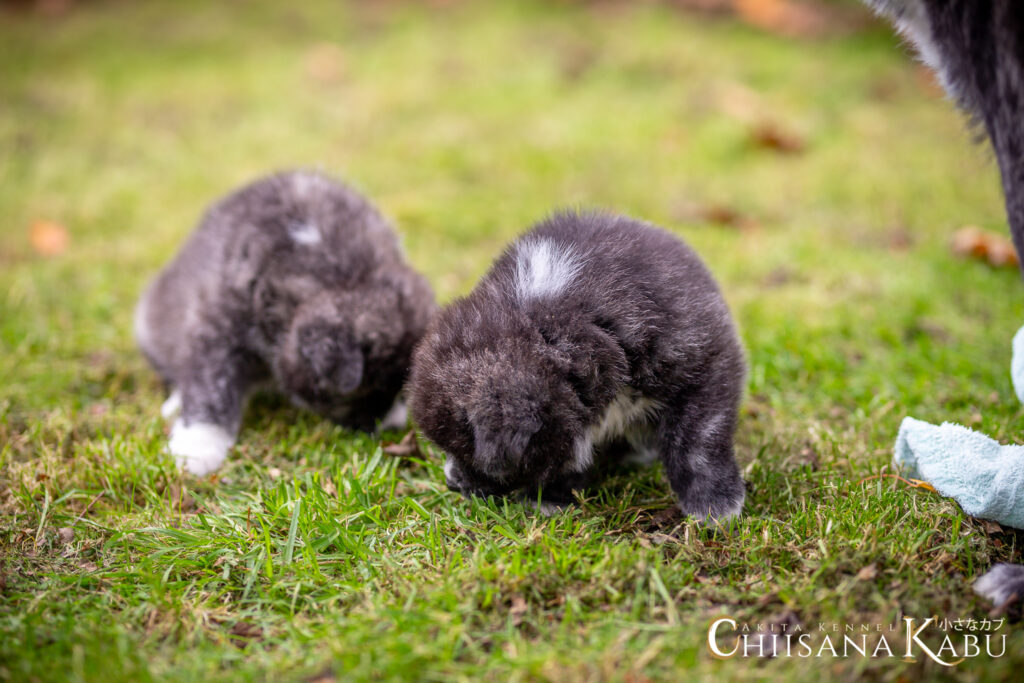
column 590, row 329
column 294, row 279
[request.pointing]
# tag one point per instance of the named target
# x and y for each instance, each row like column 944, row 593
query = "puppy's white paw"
column 713, row 518
column 172, row 406
column 200, row 447
column 397, row 417
column 544, row 508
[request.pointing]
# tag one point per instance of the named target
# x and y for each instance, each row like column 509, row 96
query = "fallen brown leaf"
column 48, row 238
column 66, row 534
column 1002, row 253
column 728, row 216
column 972, row 242
column 767, row 135
column 867, row 573
column 991, row 527
column 664, row 519
column 714, row 213
column 517, row 609
column 245, row 629
column 406, row 448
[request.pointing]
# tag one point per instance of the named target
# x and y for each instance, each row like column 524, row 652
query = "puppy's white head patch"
column 544, row 269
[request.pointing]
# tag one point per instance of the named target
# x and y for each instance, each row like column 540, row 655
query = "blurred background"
column 795, row 143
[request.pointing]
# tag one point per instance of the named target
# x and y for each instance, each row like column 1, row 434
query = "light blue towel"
column 986, row 478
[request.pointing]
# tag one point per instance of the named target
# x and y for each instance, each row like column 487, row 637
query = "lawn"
column 821, row 179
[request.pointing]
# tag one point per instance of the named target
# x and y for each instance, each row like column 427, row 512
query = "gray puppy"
column 591, row 330
column 294, row 279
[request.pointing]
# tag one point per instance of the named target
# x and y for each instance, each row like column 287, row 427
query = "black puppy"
column 588, row 329
column 977, row 48
column 295, row 279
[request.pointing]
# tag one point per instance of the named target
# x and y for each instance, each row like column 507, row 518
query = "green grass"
column 312, row 554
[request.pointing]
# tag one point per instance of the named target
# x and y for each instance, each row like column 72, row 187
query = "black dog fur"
column 588, row 328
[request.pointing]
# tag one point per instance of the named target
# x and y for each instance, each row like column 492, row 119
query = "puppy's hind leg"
column 212, row 394
column 694, row 440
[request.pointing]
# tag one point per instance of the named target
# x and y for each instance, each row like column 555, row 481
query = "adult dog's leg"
column 977, row 48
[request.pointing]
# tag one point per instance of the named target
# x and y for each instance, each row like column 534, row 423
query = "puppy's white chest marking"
column 397, row 417
column 544, row 269
column 305, row 234
column 626, row 410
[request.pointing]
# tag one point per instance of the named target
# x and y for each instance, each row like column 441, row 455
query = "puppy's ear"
column 332, row 355
column 499, row 445
column 589, row 354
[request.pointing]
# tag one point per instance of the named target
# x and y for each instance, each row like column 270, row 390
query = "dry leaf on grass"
column 517, row 609
column 973, row 242
column 728, row 216
column 245, row 629
column 243, row 632
column 408, row 447
column 720, row 215
column 48, row 238
column 66, row 534
column 991, row 527
column 767, row 135
column 867, row 573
